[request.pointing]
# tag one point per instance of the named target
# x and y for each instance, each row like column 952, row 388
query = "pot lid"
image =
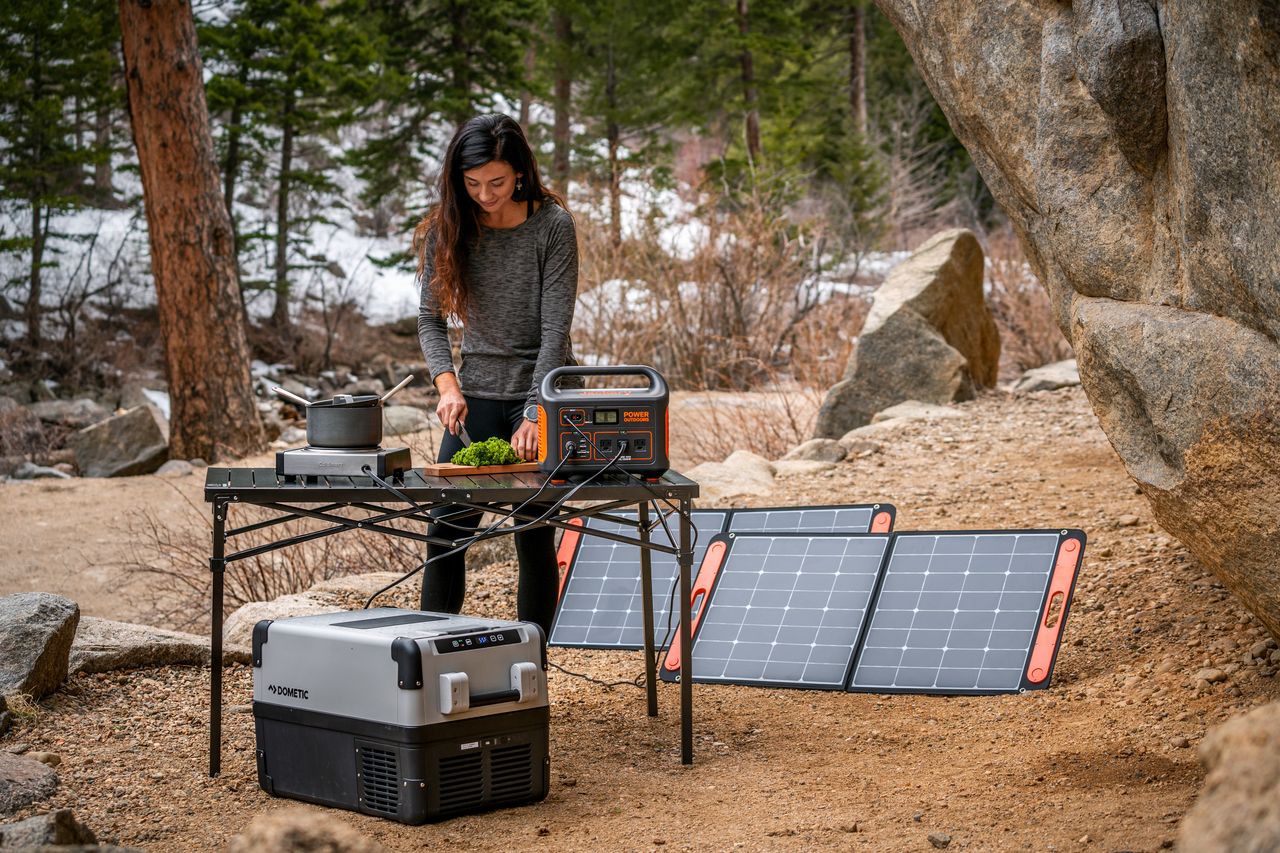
column 346, row 401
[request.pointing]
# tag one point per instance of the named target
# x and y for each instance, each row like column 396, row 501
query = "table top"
column 256, row 485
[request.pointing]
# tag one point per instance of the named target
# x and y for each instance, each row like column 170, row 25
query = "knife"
column 462, row 434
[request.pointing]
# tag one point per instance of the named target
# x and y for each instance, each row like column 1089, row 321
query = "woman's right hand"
column 452, row 408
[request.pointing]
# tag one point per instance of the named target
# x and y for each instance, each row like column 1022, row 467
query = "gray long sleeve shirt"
column 522, row 284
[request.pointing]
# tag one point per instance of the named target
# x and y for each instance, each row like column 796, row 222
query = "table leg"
column 217, row 565
column 685, row 558
column 646, row 586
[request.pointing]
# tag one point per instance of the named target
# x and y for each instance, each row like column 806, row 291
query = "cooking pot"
column 346, row 421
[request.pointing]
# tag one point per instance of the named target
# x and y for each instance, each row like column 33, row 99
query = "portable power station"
column 586, row 428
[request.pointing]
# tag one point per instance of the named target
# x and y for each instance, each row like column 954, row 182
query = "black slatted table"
column 358, row 503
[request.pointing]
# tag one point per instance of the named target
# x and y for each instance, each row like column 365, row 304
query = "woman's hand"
column 452, row 408
column 525, row 441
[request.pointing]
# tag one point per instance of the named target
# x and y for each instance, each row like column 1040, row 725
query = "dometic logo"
column 641, row 417
column 290, row 692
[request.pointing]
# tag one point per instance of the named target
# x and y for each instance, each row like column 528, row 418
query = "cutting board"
column 448, row 469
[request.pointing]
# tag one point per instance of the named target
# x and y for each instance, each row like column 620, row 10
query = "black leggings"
column 444, row 582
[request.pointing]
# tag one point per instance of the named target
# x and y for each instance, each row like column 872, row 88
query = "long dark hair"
column 455, row 218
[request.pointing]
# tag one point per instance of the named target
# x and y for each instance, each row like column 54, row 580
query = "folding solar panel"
column 600, row 594
column 973, row 612
column 937, row 612
column 601, row 604
column 781, row 610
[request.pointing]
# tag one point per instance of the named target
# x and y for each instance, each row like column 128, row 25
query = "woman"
column 500, row 253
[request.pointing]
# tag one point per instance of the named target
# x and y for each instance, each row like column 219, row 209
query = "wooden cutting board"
column 448, row 469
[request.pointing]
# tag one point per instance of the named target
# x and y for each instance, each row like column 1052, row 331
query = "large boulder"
column 56, row 829
column 340, row 593
column 136, row 442
column 23, row 781
column 1129, row 144
column 36, row 629
column 102, row 645
column 75, row 414
column 297, row 831
column 1239, row 808
column 1049, row 377
column 929, row 336
column 742, row 473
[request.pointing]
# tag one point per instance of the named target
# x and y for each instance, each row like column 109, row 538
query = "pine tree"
column 291, row 73
column 55, row 70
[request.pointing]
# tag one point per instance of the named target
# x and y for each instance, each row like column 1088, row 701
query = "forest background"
column 742, row 173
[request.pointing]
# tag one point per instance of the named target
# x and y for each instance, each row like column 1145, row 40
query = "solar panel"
column 600, row 597
column 781, row 610
column 960, row 612
column 937, row 612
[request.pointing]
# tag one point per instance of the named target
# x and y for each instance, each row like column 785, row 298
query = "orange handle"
column 568, row 544
column 711, row 563
column 1064, row 572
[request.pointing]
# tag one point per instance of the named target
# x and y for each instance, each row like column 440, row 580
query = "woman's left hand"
column 525, row 441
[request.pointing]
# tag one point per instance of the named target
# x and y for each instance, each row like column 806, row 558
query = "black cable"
column 488, row 531
column 637, row 682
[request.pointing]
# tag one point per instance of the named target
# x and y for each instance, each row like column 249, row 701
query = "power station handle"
column 657, row 384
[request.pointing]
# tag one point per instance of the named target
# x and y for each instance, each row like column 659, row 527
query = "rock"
column 914, row 410
column 401, row 420
column 364, row 386
column 58, row 829
column 742, row 473
column 36, row 629
column 21, row 432
column 940, row 840
column 860, row 448
column 292, row 435
column 297, row 831
column 800, row 467
column 1210, row 674
column 76, row 414
column 882, row 431
column 31, row 471
column 817, row 450
column 1050, row 377
column 22, row 782
column 175, row 468
column 1158, row 243
column 49, row 759
column 136, row 442
column 1179, row 742
column 928, row 336
column 103, row 645
column 1239, row 806
column 324, row 597
column 1127, row 521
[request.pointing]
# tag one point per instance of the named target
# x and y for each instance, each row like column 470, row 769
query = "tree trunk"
column 749, row 96
column 613, row 134
column 33, row 314
column 526, row 96
column 562, row 91
column 280, row 315
column 858, row 66
column 460, row 68
column 102, row 141
column 197, row 293
column 231, row 168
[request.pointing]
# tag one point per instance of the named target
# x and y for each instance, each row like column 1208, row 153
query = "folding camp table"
column 358, row 503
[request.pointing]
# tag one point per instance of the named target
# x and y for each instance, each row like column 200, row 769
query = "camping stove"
column 401, row 714
column 343, row 461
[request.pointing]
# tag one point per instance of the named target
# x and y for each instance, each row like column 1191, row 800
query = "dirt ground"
column 1104, row 759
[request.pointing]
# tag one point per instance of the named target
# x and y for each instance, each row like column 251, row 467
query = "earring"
column 518, row 185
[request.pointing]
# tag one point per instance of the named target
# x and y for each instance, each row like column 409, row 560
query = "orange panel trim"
column 542, row 434
column 881, row 523
column 1064, row 573
column 701, row 587
column 568, row 544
